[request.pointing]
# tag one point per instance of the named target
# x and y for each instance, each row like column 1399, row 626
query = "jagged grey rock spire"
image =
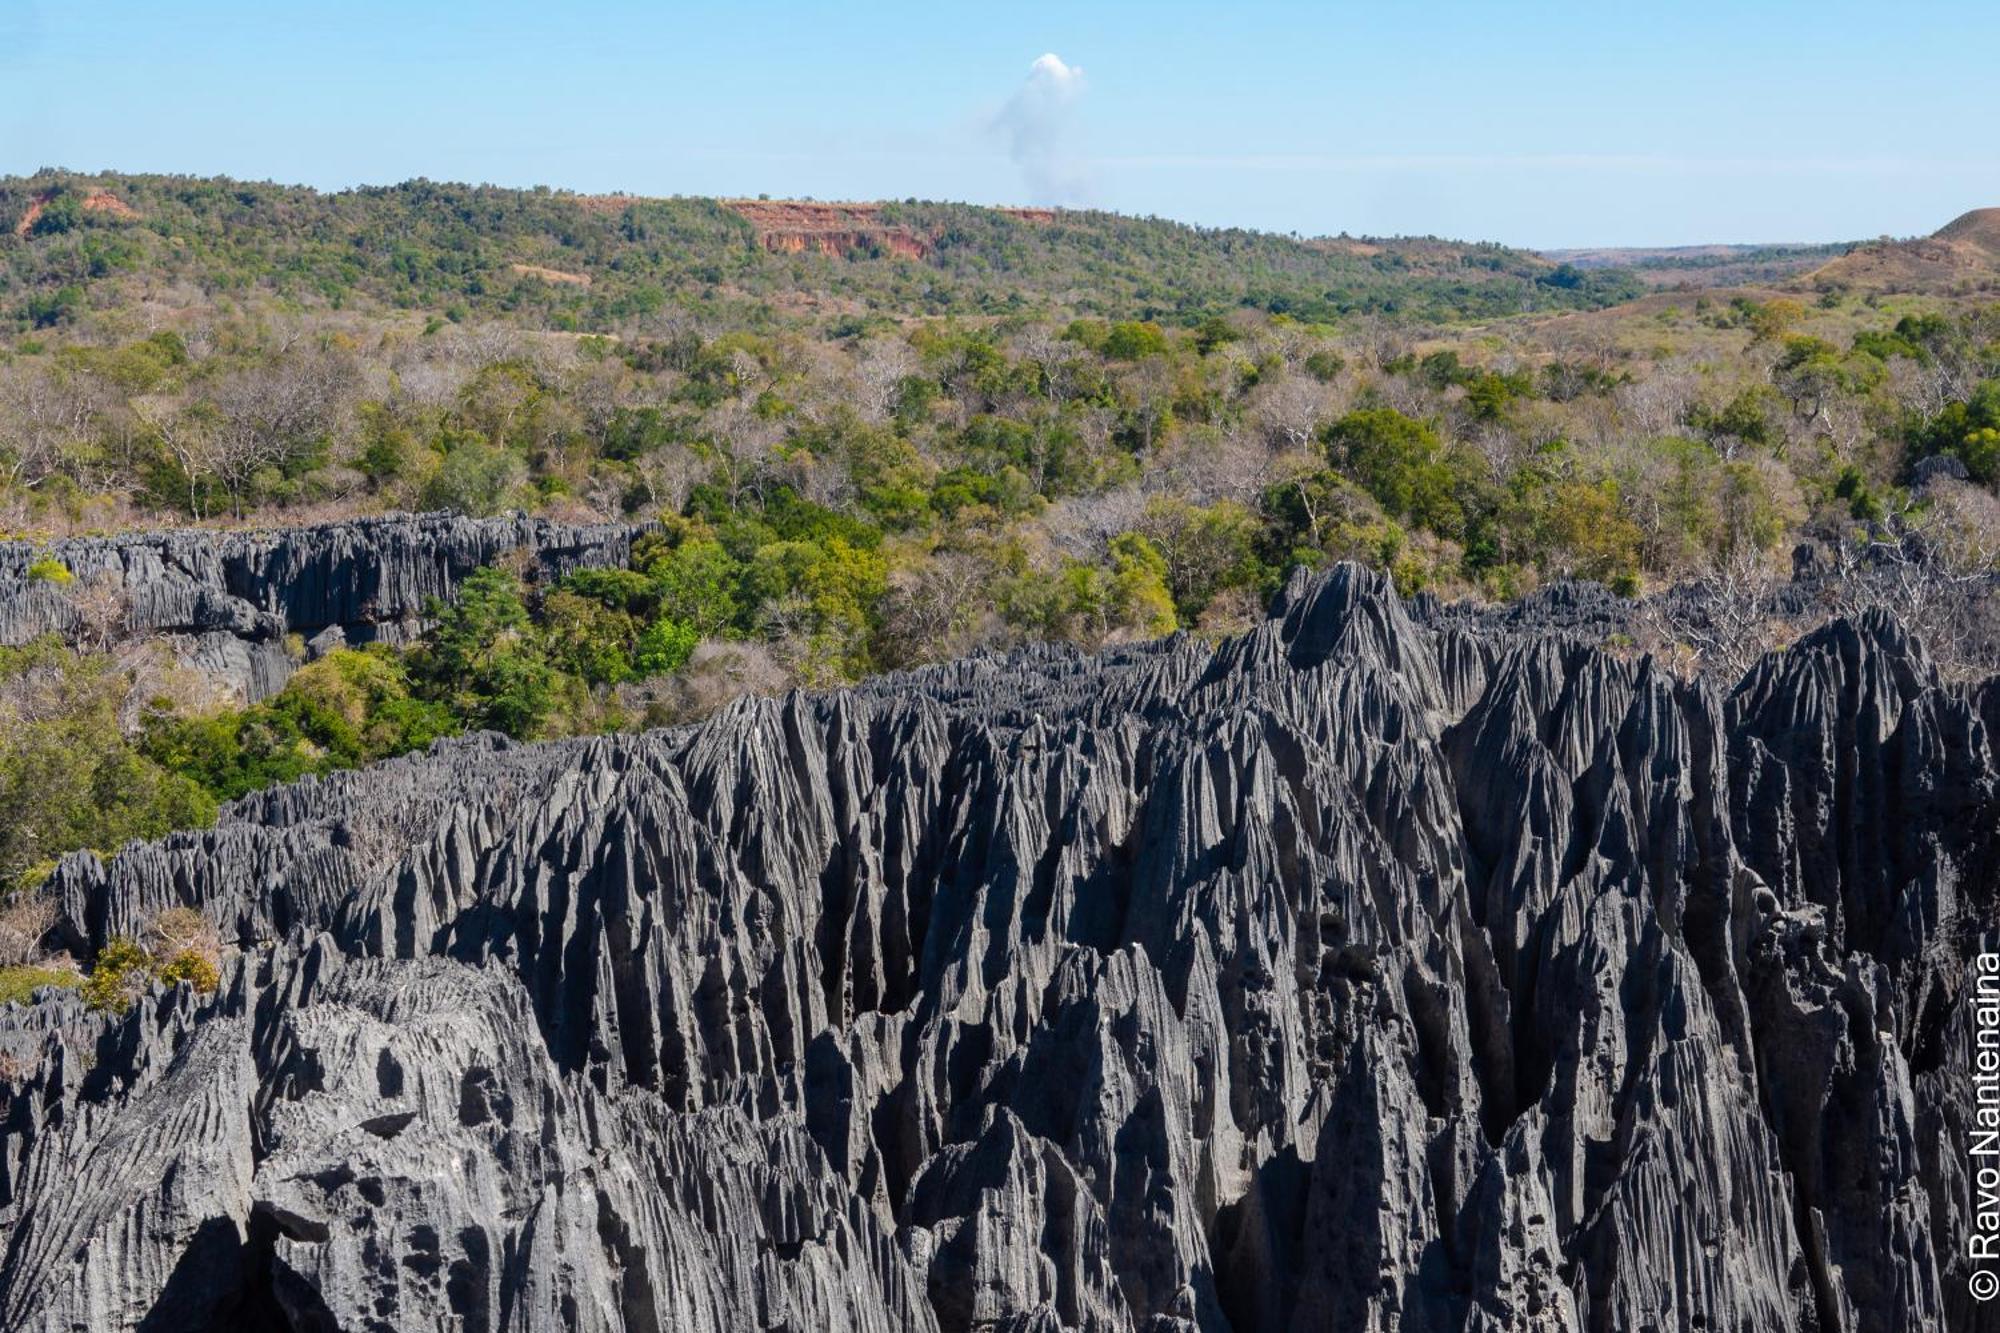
column 1363, row 972
column 231, row 597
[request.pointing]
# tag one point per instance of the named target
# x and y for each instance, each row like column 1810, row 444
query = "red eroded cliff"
column 792, row 226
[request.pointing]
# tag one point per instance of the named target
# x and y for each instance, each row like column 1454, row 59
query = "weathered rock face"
column 1356, row 974
column 232, row 597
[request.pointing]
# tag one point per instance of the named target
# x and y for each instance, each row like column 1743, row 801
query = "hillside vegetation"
column 873, row 437
column 1696, row 266
column 556, row 260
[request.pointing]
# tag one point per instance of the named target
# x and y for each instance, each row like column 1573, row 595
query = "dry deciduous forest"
column 869, row 437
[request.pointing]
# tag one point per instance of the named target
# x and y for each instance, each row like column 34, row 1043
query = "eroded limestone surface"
column 229, row 599
column 1365, row 972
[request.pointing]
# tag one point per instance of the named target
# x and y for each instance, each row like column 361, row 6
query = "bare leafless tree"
column 936, row 610
column 430, row 385
column 716, row 674
column 747, row 373
column 1291, row 410
column 879, row 372
column 1056, row 360
column 25, row 920
column 1381, row 338
column 187, row 433
column 1149, row 388
column 1659, row 403
column 44, row 418
column 821, row 479
column 271, row 415
column 743, row 443
column 595, row 390
column 1936, row 569
column 102, row 611
column 1209, row 463
column 1719, row 625
column 1081, row 526
column 1933, row 568
column 667, row 475
column 179, row 931
column 1577, row 343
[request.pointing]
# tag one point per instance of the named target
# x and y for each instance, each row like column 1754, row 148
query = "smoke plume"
column 1038, row 125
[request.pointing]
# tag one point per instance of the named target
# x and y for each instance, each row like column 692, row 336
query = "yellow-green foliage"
column 1125, row 598
column 120, row 975
column 124, row 969
column 17, row 984
column 48, row 569
column 191, row 967
column 69, row 779
column 349, row 708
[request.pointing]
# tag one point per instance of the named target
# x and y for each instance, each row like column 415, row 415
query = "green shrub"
column 351, row 707
column 61, row 214
column 1325, row 365
column 1135, row 340
column 48, row 569
column 69, row 778
column 695, row 580
column 1125, row 597
column 1204, row 550
column 1578, row 529
column 665, row 647
column 1405, row 466
column 120, row 974
column 826, row 597
column 193, row 968
column 588, row 639
column 475, row 478
column 124, row 969
column 1137, row 596
column 1968, row 431
column 484, row 660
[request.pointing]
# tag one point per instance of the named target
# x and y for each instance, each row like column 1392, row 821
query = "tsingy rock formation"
column 1359, row 973
column 231, row 598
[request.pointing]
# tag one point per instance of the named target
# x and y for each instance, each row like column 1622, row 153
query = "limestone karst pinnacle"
column 1375, row 970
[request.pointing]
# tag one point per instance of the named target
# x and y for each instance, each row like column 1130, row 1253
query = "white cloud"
column 1038, row 124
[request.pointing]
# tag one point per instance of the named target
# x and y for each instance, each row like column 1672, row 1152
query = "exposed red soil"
column 100, row 201
column 1336, row 246
column 786, row 227
column 105, row 202
column 792, row 226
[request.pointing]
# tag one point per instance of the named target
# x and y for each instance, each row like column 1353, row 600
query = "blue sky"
column 1548, row 125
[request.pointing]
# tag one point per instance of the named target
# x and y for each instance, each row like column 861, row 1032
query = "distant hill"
column 1962, row 257
column 1697, row 266
column 1980, row 228
column 596, row 262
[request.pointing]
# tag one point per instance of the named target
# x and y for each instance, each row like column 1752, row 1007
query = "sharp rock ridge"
column 1370, row 970
column 229, row 599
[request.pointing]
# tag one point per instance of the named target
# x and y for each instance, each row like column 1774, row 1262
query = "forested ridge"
column 424, row 245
